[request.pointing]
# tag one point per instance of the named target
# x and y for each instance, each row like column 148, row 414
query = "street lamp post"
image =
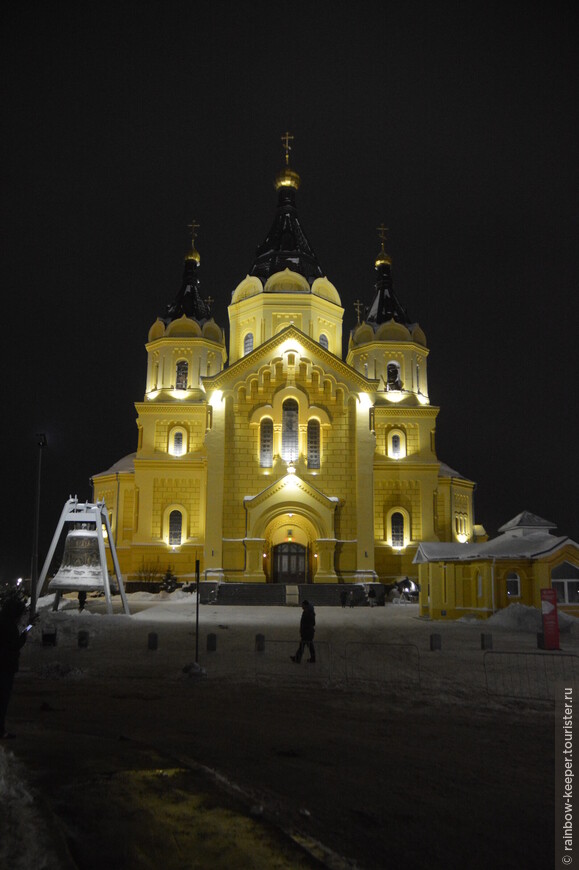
column 42, row 442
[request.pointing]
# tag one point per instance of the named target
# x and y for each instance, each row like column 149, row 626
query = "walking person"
column 12, row 639
column 307, row 630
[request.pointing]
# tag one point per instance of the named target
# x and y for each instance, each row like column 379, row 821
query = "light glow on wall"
column 394, row 396
column 216, row 398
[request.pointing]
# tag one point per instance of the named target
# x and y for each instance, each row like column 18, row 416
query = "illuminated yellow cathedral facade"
column 273, row 457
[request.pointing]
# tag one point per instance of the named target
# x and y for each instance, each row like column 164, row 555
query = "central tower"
column 286, row 284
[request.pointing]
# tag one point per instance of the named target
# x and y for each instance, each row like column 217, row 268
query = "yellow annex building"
column 270, row 457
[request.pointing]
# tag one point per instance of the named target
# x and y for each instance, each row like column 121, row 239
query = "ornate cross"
column 382, row 230
column 286, row 138
column 359, row 307
column 209, row 301
column 194, row 226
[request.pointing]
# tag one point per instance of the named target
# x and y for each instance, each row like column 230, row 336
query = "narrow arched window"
column 396, row 445
column 175, row 528
column 313, row 444
column 181, row 375
column 397, row 529
column 178, row 444
column 513, row 585
column 289, row 430
column 266, row 443
column 248, row 343
column 324, row 341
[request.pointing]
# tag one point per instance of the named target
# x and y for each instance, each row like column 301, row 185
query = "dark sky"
column 455, row 123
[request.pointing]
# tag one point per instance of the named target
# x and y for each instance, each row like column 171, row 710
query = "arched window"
column 513, row 585
column 177, row 441
column 181, row 375
column 266, row 443
column 248, row 343
column 397, row 524
column 289, row 430
column 175, row 528
column 313, row 444
column 565, row 581
column 396, row 444
column 324, row 341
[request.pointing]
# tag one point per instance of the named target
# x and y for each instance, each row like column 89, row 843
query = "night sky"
column 453, row 123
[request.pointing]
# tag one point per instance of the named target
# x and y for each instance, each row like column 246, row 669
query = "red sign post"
column 550, row 619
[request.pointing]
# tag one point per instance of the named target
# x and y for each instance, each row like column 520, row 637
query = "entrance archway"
column 290, row 563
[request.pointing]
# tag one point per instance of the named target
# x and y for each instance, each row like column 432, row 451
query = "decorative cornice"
column 264, row 351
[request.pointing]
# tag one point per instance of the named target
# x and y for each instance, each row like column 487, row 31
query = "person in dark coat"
column 12, row 608
column 307, row 630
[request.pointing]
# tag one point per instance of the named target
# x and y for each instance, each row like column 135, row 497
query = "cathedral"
column 270, row 458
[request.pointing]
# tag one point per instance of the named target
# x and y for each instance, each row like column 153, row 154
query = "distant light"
column 19, row 581
column 462, row 538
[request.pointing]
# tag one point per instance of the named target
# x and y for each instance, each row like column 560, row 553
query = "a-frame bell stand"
column 81, row 513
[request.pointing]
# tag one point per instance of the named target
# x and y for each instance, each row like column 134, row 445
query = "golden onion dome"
column 193, row 254
column 383, row 259
column 287, row 178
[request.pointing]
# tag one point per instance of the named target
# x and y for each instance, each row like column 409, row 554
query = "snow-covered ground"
column 158, row 641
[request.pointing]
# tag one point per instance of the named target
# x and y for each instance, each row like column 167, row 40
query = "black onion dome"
column 188, row 301
column 286, row 245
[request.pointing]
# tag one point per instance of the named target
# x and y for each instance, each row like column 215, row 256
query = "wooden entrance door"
column 290, row 563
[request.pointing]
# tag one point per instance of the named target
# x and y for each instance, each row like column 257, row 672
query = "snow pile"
column 23, row 833
column 520, row 617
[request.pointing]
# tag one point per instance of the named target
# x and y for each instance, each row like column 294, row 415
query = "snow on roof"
column 126, row 464
column 503, row 547
column 527, row 520
column 446, row 471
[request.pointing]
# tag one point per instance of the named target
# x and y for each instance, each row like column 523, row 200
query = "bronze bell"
column 81, row 563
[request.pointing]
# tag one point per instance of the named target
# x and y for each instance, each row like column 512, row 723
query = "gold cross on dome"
column 358, row 306
column 382, row 230
column 286, row 139
column 194, row 226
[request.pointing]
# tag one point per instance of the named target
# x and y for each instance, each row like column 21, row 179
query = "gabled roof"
column 266, row 351
column 503, row 547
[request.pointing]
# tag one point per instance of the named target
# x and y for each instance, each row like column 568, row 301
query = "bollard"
column 49, row 637
column 435, row 642
column 211, row 642
column 486, row 641
column 153, row 640
column 260, row 643
column 82, row 639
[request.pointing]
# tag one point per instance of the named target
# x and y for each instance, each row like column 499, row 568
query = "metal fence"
column 529, row 675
